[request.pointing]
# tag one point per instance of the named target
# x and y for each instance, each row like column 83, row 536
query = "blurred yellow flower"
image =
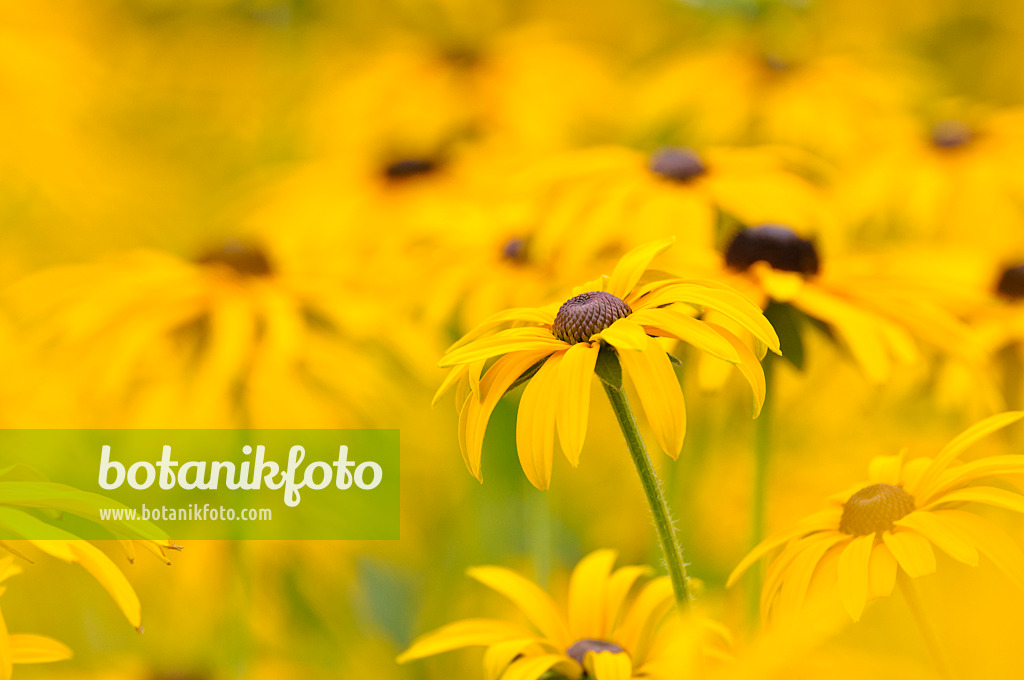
column 856, row 546
column 603, row 634
column 559, row 350
column 21, row 648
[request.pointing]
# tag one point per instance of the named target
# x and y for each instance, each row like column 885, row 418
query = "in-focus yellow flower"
column 603, row 634
column 855, row 547
column 558, row 348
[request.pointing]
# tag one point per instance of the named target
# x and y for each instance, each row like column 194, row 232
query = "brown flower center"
column 243, row 258
column 951, row 134
column 1011, row 283
column 580, row 317
column 410, row 167
column 874, row 508
column 775, row 244
column 514, row 250
column 680, row 165
column 578, row 650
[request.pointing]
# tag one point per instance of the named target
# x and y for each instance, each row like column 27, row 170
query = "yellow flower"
column 603, row 634
column 855, row 547
column 558, row 348
column 878, row 315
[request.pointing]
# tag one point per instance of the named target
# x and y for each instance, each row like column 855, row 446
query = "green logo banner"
column 199, row 484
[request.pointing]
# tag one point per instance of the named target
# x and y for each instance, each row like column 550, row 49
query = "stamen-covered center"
column 580, row 317
column 951, row 134
column 245, row 259
column 1011, row 283
column 874, row 508
column 680, row 165
column 578, row 650
column 774, row 244
column 410, row 167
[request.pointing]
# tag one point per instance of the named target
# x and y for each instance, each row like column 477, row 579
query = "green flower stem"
column 652, row 489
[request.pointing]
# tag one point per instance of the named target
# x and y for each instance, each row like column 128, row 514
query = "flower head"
column 614, row 321
column 855, row 547
column 604, row 633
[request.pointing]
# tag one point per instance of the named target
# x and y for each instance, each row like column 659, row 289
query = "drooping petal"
column 37, row 649
column 911, row 550
column 496, row 381
column 632, row 266
column 989, row 495
column 793, row 581
column 465, row 633
column 500, row 655
column 625, row 334
column 673, row 323
column 535, row 424
column 947, row 537
column 883, row 570
column 660, row 395
column 854, row 573
column 511, row 340
column 960, row 443
column 968, row 472
column 587, row 589
column 749, row 367
column 533, row 667
column 608, row 666
column 991, row 541
column 530, row 598
column 537, row 315
column 573, row 406
column 822, row 521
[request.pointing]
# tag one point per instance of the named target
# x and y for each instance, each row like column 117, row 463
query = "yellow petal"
column 886, row 469
column 511, row 340
column 882, row 572
column 537, row 315
column 6, row 654
column 624, row 334
column 673, row 323
column 947, row 537
column 853, row 575
column 989, row 495
column 500, row 655
column 822, row 521
column 961, row 442
column 991, row 541
column 531, row 600
column 660, row 395
column 587, row 591
column 749, row 367
column 38, row 649
column 632, row 266
column 496, row 381
column 968, row 472
column 533, row 667
column 781, row 286
column 535, row 424
column 792, row 577
column 643, row 616
column 466, row 633
column 608, row 666
column 619, row 585
column 573, row 405
column 911, row 550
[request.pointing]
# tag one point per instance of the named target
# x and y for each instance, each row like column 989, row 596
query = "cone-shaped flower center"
column 578, row 650
column 580, row 317
column 245, row 259
column 774, row 244
column 875, row 508
column 951, row 134
column 1011, row 283
column 514, row 250
column 410, row 167
column 680, row 165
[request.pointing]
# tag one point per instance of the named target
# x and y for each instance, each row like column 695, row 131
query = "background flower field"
column 280, row 214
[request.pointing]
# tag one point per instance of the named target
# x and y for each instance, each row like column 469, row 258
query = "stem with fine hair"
column 652, row 489
column 931, row 641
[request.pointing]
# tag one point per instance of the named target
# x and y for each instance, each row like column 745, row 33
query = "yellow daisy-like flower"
column 557, row 348
column 604, row 633
column 856, row 547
